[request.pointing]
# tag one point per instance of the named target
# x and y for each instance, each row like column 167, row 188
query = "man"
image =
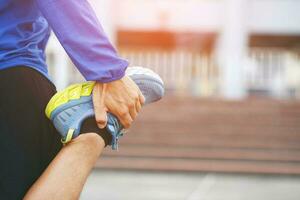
column 29, row 142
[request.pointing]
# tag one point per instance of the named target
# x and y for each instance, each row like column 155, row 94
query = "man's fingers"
column 101, row 117
column 132, row 110
column 99, row 106
column 138, row 106
column 142, row 98
column 125, row 118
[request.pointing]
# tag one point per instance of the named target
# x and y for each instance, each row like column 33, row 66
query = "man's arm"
column 80, row 33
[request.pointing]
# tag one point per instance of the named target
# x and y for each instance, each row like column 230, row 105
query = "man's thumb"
column 99, row 106
column 101, row 117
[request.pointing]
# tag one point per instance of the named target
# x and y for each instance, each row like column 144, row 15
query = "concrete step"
column 192, row 134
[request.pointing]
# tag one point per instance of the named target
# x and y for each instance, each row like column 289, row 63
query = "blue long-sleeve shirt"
column 25, row 29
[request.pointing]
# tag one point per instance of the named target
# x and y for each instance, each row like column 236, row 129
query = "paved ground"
column 129, row 185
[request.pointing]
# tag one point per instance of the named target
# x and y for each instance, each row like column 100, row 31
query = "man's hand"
column 122, row 98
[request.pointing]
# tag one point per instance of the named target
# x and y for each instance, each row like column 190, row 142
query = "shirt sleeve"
column 81, row 35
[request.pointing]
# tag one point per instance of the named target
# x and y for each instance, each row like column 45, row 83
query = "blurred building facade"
column 227, row 48
column 207, row 48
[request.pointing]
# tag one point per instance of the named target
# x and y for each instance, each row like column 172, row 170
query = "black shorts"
column 28, row 140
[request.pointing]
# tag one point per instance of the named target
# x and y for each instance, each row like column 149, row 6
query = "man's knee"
column 91, row 142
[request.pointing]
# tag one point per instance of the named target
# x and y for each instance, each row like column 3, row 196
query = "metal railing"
column 180, row 69
column 275, row 71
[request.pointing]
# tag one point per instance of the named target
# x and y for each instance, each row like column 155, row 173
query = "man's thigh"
column 28, row 140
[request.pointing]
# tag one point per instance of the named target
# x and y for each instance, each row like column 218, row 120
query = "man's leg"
column 28, row 140
column 64, row 178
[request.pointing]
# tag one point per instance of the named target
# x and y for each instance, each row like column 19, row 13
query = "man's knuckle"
column 123, row 111
column 131, row 105
column 136, row 96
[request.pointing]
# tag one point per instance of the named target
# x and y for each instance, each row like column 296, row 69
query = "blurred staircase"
column 191, row 134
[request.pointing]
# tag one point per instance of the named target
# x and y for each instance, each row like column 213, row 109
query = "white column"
column 106, row 11
column 60, row 63
column 232, row 48
column 62, row 77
